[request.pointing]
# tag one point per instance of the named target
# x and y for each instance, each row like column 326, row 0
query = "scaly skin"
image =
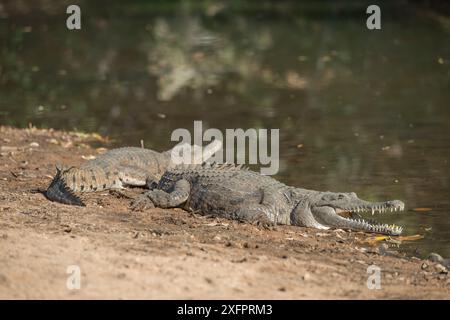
column 116, row 169
column 241, row 194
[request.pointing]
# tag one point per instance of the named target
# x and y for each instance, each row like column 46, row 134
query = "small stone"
column 208, row 280
column 442, row 276
column 306, row 277
column 424, row 266
column 34, row 144
column 441, row 268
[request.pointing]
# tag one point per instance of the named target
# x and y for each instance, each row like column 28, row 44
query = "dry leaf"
column 101, row 150
column 374, row 240
column 410, row 238
column 90, row 157
column 422, row 209
column 52, row 141
column 67, row 144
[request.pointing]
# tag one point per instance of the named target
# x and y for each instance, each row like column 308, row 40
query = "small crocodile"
column 118, row 168
column 236, row 193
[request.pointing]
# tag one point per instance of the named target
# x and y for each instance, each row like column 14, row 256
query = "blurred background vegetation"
column 358, row 110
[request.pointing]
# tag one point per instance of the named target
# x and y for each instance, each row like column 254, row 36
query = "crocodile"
column 119, row 168
column 238, row 193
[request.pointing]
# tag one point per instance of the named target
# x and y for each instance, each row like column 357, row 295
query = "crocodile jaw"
column 379, row 207
column 371, row 226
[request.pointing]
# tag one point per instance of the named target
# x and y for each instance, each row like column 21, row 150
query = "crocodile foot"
column 120, row 194
column 142, row 203
column 265, row 224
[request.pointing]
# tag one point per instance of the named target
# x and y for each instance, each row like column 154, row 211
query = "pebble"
column 306, row 276
column 441, row 268
column 34, row 144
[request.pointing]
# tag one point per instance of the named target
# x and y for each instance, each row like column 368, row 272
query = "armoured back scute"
column 228, row 174
column 205, row 170
column 123, row 156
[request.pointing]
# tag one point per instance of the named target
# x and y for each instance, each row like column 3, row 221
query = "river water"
column 358, row 110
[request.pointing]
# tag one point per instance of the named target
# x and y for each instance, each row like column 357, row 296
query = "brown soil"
column 163, row 254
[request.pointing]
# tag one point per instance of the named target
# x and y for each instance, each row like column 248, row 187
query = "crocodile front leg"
column 302, row 216
column 162, row 199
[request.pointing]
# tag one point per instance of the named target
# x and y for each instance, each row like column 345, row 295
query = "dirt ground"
column 172, row 254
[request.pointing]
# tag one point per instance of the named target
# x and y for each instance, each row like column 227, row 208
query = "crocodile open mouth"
column 351, row 215
column 391, row 206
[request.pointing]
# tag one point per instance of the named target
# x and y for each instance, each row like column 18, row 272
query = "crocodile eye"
column 341, row 196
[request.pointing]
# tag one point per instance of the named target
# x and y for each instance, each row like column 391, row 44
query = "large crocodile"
column 118, row 168
column 236, row 193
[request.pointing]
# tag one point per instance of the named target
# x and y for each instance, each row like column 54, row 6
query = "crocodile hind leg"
column 254, row 214
column 162, row 199
column 134, row 176
column 129, row 176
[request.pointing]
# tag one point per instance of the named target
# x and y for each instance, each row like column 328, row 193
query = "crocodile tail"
column 59, row 191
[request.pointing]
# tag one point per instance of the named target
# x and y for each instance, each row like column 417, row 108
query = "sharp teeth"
column 373, row 211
